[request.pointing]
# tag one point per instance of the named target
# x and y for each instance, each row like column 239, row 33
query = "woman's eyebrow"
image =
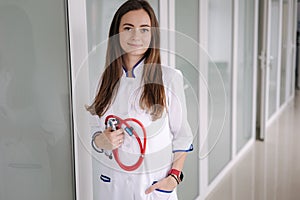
column 144, row 25
column 128, row 24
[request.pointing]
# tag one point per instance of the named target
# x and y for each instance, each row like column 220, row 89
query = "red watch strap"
column 175, row 172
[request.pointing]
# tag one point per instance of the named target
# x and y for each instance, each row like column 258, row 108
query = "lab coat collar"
column 136, row 66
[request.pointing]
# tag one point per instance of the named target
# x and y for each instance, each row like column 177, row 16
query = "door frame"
column 205, row 187
column 263, row 67
column 78, row 54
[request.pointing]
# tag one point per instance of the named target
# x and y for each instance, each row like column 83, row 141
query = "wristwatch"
column 179, row 175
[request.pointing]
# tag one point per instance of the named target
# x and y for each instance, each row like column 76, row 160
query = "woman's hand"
column 167, row 184
column 110, row 140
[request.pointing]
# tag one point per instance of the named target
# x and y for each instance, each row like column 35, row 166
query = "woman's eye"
column 144, row 30
column 127, row 29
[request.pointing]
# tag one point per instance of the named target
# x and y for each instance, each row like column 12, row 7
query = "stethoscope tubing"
column 142, row 146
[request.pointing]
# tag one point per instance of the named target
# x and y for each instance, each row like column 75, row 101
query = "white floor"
column 271, row 169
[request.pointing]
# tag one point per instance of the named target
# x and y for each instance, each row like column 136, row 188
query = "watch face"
column 181, row 176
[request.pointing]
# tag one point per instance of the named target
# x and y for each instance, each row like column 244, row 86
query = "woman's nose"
column 135, row 34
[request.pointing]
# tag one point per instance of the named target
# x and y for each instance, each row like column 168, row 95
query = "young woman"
column 135, row 87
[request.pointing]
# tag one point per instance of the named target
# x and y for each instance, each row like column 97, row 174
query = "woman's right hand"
column 109, row 140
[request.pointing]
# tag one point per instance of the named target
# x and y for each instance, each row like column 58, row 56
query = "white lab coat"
column 165, row 136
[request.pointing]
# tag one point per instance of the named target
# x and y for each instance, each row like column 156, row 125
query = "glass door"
column 186, row 60
column 220, row 33
column 228, row 31
column 273, row 82
column 284, row 50
column 276, row 59
column 36, row 161
column 293, row 40
column 245, row 72
column 288, row 50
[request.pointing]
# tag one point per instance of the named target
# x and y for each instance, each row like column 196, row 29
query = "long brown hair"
column 153, row 98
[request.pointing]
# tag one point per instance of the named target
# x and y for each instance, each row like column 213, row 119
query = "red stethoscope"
column 115, row 123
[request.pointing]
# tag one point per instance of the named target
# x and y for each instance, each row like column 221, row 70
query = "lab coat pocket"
column 105, row 182
column 159, row 194
column 105, row 179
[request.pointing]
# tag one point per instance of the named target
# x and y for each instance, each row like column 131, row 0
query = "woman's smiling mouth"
column 135, row 45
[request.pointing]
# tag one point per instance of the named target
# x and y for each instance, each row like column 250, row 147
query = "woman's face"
column 135, row 32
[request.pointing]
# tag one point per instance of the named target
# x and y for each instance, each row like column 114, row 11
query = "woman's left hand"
column 168, row 184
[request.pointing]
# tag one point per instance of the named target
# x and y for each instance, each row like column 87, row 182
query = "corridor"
column 270, row 170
